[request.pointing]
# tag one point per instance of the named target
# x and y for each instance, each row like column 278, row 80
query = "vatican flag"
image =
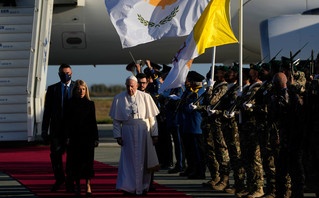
column 142, row 21
column 212, row 29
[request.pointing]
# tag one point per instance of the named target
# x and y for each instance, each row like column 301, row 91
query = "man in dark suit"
column 56, row 100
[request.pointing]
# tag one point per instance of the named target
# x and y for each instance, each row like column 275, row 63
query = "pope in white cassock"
column 135, row 128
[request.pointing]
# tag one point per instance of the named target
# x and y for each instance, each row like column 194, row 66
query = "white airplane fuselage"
column 84, row 35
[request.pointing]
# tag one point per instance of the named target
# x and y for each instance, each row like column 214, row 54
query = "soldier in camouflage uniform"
column 216, row 117
column 292, row 145
column 231, row 134
column 286, row 108
column 249, row 141
column 267, row 143
column 210, row 157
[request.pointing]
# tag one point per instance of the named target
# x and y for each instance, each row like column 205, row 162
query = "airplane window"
column 74, row 40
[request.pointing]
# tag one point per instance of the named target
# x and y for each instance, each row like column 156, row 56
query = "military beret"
column 194, row 76
column 255, row 67
column 235, row 68
column 223, row 68
column 266, row 66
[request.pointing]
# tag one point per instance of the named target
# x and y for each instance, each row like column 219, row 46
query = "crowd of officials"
column 266, row 134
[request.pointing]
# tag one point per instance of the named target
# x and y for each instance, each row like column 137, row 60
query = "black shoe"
column 56, row 186
column 174, row 170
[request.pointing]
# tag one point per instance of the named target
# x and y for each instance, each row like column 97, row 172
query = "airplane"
column 38, row 33
column 101, row 44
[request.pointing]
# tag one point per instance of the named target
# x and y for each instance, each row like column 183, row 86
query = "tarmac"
column 109, row 152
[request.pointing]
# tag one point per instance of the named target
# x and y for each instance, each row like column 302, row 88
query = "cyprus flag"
column 142, row 21
column 213, row 28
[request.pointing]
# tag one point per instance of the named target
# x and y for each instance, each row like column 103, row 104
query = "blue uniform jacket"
column 193, row 118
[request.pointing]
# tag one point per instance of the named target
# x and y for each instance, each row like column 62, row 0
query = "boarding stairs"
column 24, row 48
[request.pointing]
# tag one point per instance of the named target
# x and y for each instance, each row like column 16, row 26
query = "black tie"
column 65, row 98
column 65, row 94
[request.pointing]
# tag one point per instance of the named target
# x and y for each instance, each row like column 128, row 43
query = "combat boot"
column 231, row 190
column 243, row 193
column 222, row 184
column 235, row 190
column 256, row 193
column 211, row 182
column 238, row 187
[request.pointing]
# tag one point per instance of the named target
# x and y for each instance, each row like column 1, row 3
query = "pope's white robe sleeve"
column 153, row 126
column 117, row 129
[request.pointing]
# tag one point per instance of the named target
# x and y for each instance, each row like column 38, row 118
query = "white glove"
column 192, row 106
column 248, row 105
column 239, row 93
column 174, row 97
column 210, row 83
column 210, row 111
column 230, row 115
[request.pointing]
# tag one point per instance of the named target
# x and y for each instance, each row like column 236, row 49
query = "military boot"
column 211, row 182
column 257, row 193
column 230, row 190
column 222, row 184
column 243, row 193
column 238, row 187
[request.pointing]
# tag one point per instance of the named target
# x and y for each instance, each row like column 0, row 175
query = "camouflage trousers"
column 210, row 156
column 268, row 147
column 221, row 150
column 231, row 135
column 251, row 156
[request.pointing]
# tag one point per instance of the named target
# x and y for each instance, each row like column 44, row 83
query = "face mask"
column 65, row 77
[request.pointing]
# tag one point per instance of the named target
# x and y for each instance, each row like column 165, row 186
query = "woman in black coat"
column 82, row 136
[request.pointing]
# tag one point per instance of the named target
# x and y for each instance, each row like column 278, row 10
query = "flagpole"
column 213, row 63
column 240, row 52
column 240, row 45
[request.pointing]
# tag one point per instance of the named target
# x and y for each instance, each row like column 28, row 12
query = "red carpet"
column 31, row 166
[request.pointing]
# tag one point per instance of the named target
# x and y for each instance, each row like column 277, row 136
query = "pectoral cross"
column 133, row 113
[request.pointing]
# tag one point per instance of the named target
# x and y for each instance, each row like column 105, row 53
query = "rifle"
column 293, row 56
column 264, row 87
column 275, row 56
column 226, row 95
column 239, row 101
column 204, row 95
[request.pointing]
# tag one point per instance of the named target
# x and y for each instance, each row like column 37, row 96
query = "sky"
column 105, row 74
